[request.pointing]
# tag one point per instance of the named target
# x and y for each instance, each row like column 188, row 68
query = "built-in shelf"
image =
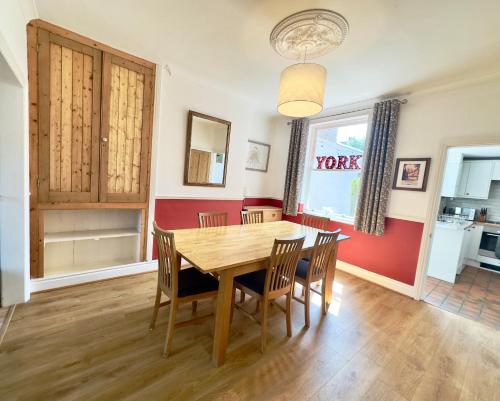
column 89, row 235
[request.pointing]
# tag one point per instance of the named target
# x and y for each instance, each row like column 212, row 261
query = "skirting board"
column 48, row 283
column 383, row 281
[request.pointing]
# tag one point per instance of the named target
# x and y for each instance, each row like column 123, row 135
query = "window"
column 333, row 167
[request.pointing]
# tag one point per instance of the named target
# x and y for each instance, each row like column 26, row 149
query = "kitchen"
column 463, row 274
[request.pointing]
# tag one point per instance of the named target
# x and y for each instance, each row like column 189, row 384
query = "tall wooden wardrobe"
column 91, row 110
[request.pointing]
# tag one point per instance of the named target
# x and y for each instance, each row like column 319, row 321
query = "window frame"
column 354, row 118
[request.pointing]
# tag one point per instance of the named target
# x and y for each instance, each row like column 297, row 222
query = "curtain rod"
column 402, row 101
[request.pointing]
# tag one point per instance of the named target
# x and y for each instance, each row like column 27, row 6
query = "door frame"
column 433, row 210
column 18, row 284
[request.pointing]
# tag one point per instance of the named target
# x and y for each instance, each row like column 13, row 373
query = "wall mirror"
column 207, row 150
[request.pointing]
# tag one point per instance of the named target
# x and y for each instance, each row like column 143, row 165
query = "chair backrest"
column 168, row 268
column 324, row 250
column 321, row 223
column 212, row 219
column 252, row 216
column 282, row 266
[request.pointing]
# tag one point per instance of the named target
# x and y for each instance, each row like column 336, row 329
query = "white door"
column 14, row 201
column 464, row 176
column 479, row 179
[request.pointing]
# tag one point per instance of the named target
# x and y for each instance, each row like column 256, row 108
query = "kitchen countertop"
column 485, row 223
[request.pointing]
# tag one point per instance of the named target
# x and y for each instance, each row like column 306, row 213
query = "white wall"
column 180, row 93
column 14, row 205
column 428, row 120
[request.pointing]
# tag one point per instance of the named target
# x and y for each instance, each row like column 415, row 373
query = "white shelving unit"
column 89, row 235
column 77, row 241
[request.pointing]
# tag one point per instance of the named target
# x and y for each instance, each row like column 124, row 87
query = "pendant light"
column 307, row 34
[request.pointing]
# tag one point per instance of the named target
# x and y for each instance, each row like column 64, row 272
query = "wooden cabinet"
column 126, row 104
column 69, row 119
column 91, row 110
column 271, row 213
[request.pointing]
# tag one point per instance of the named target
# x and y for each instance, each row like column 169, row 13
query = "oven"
column 490, row 244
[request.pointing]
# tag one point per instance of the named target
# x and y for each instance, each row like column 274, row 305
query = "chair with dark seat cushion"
column 275, row 281
column 310, row 271
column 180, row 286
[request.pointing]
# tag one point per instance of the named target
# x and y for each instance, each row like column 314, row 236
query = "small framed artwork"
column 411, row 174
column 258, row 156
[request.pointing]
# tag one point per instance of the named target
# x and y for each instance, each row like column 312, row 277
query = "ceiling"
column 393, row 46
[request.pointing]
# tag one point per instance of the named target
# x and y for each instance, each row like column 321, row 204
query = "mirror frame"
column 192, row 114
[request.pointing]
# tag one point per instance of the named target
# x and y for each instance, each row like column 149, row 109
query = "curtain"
column 377, row 169
column 295, row 166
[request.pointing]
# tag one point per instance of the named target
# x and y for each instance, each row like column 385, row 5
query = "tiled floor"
column 475, row 294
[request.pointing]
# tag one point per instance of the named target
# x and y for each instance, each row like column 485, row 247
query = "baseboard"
column 48, row 283
column 6, row 321
column 383, row 281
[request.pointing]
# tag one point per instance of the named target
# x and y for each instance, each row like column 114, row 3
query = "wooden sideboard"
column 271, row 213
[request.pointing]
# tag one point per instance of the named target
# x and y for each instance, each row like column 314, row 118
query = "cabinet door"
column 479, row 179
column 451, row 179
column 476, row 232
column 464, row 176
column 69, row 119
column 126, row 130
column 496, row 171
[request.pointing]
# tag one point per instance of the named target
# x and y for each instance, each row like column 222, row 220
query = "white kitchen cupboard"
column 475, row 180
column 473, row 240
column 496, row 171
column 452, row 173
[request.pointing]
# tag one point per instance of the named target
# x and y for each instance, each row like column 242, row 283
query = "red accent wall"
column 394, row 255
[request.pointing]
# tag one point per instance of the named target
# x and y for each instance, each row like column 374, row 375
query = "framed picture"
column 411, row 174
column 258, row 156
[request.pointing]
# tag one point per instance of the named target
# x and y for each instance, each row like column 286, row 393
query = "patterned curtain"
column 377, row 169
column 295, row 166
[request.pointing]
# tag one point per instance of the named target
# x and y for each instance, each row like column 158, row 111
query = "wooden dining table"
column 231, row 251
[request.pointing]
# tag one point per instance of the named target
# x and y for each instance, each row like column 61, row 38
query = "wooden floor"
column 92, row 343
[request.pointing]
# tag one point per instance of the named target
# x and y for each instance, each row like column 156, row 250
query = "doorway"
column 463, row 267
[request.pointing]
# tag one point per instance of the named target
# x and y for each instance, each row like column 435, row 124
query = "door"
column 126, row 130
column 464, row 176
column 69, row 119
column 199, row 166
column 479, row 179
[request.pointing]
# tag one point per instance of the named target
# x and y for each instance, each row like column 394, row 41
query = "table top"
column 219, row 248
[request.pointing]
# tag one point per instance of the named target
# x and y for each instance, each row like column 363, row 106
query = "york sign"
column 338, row 163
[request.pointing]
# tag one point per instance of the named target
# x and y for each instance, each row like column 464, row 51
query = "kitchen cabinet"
column 447, row 251
column 496, row 170
column 473, row 239
column 475, row 179
column 451, row 179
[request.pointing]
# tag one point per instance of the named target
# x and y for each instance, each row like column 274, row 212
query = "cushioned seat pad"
column 254, row 281
column 302, row 267
column 192, row 281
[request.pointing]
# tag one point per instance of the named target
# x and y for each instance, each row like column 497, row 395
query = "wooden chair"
column 314, row 269
column 180, row 286
column 275, row 281
column 321, row 223
column 252, row 216
column 212, row 219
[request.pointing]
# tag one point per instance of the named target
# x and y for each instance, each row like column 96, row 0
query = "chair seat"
column 255, row 281
column 302, row 267
column 192, row 282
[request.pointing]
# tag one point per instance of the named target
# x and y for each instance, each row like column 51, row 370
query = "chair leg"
column 257, row 305
column 303, row 291
column 170, row 329
column 263, row 324
column 156, row 307
column 289, row 314
column 233, row 301
column 307, row 306
column 194, row 306
column 323, row 297
column 242, row 297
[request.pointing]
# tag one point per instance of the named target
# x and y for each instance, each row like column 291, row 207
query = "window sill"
column 338, row 219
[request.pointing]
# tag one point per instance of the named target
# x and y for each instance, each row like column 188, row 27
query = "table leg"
column 330, row 275
column 222, row 317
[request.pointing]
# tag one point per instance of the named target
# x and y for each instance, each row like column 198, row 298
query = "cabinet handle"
column 105, row 139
